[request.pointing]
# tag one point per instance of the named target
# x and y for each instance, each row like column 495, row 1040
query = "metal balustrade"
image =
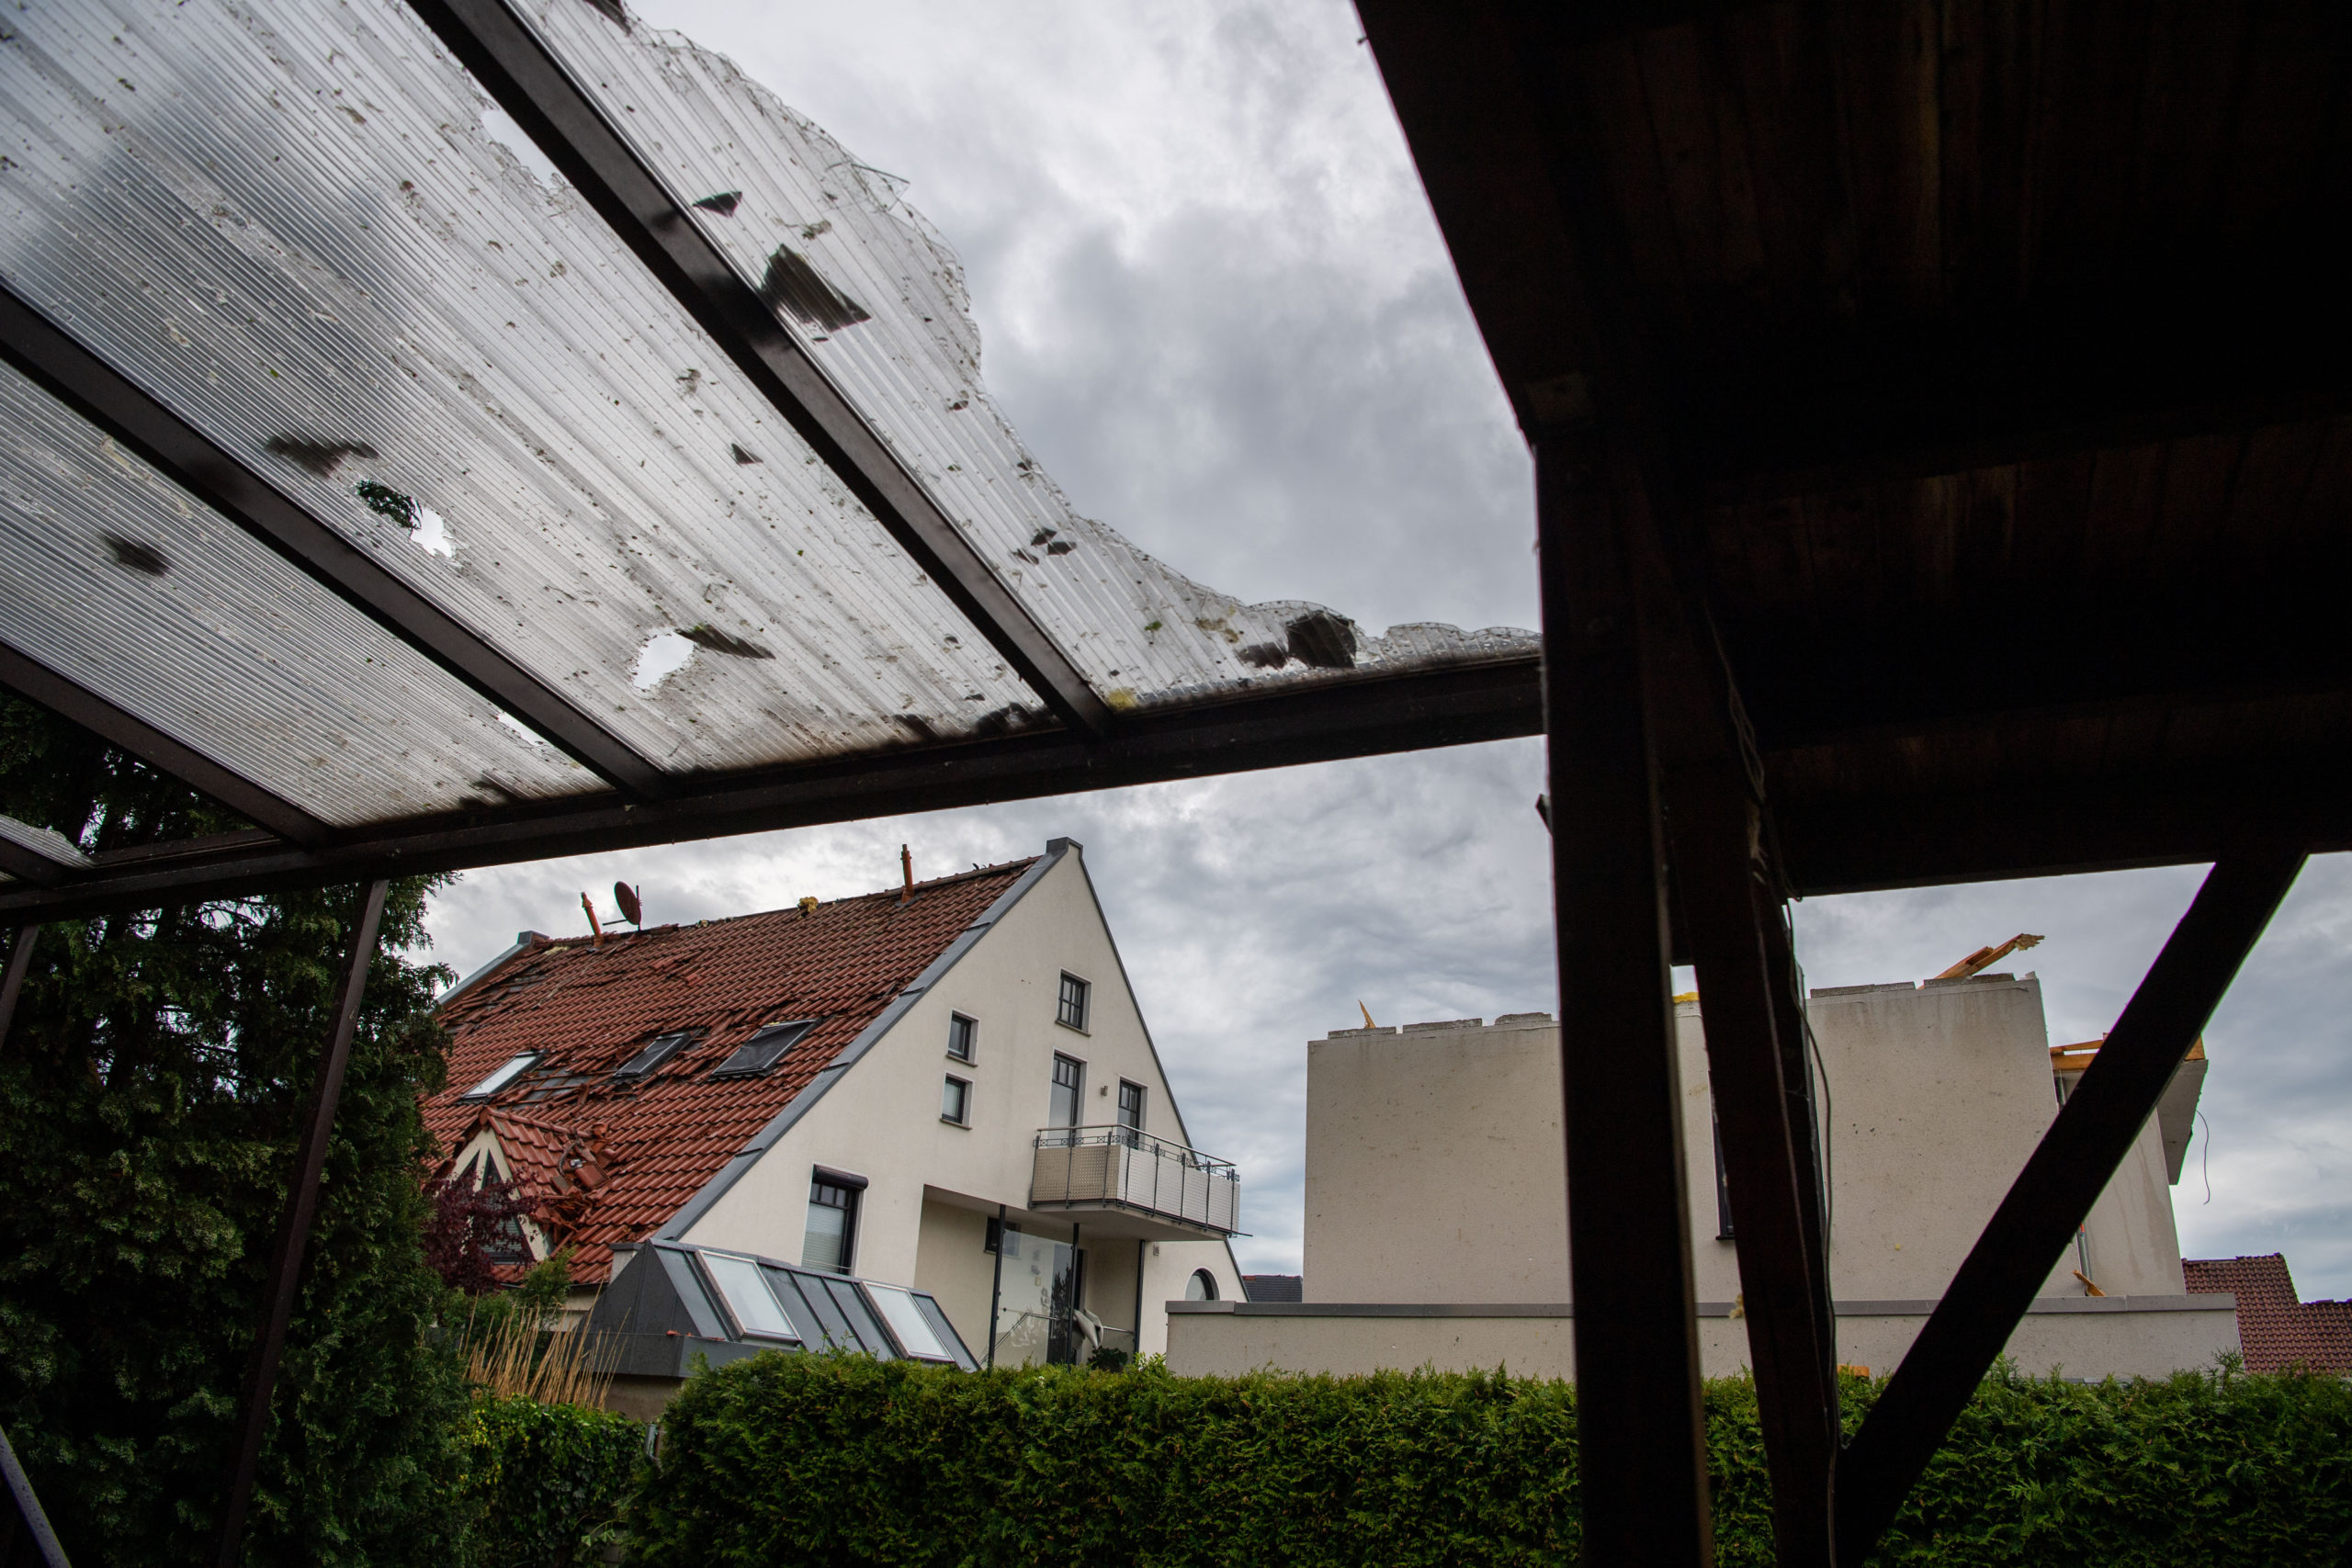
column 1123, row 1167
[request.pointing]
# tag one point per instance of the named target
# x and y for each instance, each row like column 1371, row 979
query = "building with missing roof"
column 946, row 1086
column 1436, row 1196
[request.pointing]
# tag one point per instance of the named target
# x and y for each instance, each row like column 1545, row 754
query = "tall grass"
column 512, row 1357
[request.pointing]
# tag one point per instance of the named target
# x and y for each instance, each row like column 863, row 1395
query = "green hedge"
column 833, row 1460
column 545, row 1482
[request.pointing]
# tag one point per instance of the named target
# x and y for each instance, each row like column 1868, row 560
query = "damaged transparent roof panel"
column 289, row 223
column 121, row 581
column 834, row 248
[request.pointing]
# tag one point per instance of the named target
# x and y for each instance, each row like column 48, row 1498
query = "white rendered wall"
column 881, row 1119
column 1435, row 1170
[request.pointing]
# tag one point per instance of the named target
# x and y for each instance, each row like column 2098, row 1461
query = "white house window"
column 1069, row 1081
column 832, row 1240
column 512, row 1069
column 1076, row 993
column 1200, row 1287
column 963, row 1035
column 955, row 1102
column 763, row 1050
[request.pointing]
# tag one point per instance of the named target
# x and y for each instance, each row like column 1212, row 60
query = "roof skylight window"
column 656, row 1051
column 764, row 1050
column 903, row 1316
column 512, row 1069
column 753, row 1306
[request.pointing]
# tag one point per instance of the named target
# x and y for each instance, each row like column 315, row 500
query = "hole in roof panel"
column 242, row 657
column 833, row 246
column 303, row 230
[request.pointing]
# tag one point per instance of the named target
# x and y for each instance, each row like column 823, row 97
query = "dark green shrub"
column 545, row 1482
column 833, row 1460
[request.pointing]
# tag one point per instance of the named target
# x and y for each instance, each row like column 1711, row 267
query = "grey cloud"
column 1214, row 303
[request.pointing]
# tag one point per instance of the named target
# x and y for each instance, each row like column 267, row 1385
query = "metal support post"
column 20, row 961
column 293, row 1235
column 1644, row 1473
column 1728, row 906
column 26, row 1540
column 2076, row 1158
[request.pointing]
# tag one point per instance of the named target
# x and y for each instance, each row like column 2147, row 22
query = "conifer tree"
column 151, row 1093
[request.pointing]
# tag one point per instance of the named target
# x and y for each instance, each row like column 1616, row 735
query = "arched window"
column 1200, row 1287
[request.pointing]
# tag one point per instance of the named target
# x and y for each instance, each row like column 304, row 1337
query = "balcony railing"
column 1120, row 1167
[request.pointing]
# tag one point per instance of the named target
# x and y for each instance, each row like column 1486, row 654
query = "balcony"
column 1117, row 1181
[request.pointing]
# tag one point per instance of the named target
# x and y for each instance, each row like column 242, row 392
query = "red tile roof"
column 607, row 1163
column 2275, row 1330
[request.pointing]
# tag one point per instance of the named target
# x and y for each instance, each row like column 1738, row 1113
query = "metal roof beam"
column 1323, row 721
column 534, row 86
column 69, row 699
column 106, row 396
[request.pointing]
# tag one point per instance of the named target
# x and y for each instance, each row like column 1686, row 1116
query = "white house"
column 1436, row 1196
column 946, row 1086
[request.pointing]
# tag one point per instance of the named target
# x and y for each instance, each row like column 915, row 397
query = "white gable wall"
column 881, row 1118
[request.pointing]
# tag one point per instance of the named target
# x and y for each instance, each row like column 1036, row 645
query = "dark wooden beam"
column 1642, row 1465
column 1321, row 721
column 82, row 380
column 531, row 84
column 2102, row 821
column 12, row 980
column 1769, row 1150
column 38, row 683
column 294, row 1232
column 2052, row 1196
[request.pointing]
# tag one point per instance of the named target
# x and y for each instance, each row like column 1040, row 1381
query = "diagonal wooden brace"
column 2052, row 1196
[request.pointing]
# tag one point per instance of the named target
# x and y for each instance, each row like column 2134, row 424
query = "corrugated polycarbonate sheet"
column 285, row 221
column 878, row 296
column 120, row 581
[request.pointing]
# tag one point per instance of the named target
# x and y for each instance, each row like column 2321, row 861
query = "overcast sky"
column 1216, row 307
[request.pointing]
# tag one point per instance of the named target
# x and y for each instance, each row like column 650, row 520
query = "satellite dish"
column 626, row 897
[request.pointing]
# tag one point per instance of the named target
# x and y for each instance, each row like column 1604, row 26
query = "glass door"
column 1035, row 1294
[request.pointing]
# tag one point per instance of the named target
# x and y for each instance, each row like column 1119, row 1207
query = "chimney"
column 906, row 865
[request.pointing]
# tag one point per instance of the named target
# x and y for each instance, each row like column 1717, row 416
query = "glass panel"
column 1033, row 1300
column 655, row 1053
column 906, row 1323
column 116, row 578
column 288, row 221
column 745, row 1287
column 826, row 1245
column 953, row 1097
column 1073, row 1001
column 1200, row 1287
column 762, row 1051
column 1062, row 1108
column 962, row 1034
column 508, row 1073
column 879, row 298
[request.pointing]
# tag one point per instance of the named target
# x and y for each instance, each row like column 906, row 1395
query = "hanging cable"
column 2205, row 1156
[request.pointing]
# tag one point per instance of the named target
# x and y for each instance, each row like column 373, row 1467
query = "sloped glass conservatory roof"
column 292, row 229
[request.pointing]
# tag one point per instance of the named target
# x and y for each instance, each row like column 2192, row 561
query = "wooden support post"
column 2052, row 1196
column 294, row 1234
column 11, row 982
column 1768, row 1149
column 1643, row 1454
